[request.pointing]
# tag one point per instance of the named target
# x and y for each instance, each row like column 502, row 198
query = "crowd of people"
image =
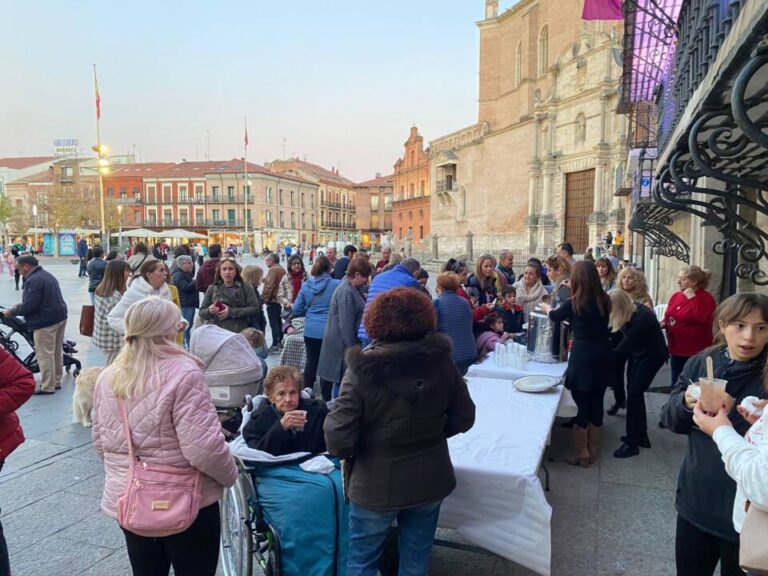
column 387, row 358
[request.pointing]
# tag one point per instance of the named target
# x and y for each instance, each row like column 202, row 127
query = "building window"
column 199, row 218
column 152, row 217
column 167, row 195
column 230, row 193
column 400, row 233
column 199, row 194
column 292, row 194
column 231, row 216
column 282, row 219
column 411, row 190
column 302, row 199
column 387, row 202
column 136, row 192
column 374, row 203
column 183, row 194
column 421, row 232
column 280, row 196
column 168, row 217
column 543, row 51
column 110, row 192
column 216, row 216
column 374, row 221
column 183, row 218
column 293, row 218
column 518, row 64
column 247, row 192
column 215, row 193
column 123, row 192
column 247, row 214
column 312, row 200
column 269, row 217
column 422, row 188
column 269, row 195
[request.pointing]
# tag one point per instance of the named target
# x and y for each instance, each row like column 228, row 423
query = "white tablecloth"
column 487, row 369
column 499, row 501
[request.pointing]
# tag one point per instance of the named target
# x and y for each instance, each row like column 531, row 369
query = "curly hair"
column 400, row 314
column 282, row 374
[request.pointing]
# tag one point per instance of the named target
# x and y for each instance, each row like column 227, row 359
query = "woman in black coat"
column 590, row 363
column 642, row 344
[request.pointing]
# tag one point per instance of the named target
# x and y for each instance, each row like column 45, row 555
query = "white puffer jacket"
column 138, row 290
column 172, row 423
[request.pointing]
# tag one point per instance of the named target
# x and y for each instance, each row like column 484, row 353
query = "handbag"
column 159, row 500
column 87, row 318
column 753, row 548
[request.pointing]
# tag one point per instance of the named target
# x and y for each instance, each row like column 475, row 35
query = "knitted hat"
column 228, row 357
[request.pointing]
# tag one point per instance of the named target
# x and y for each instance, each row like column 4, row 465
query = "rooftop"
column 379, row 181
column 24, row 162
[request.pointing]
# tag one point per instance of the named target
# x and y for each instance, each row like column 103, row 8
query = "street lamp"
column 103, row 167
column 120, row 225
column 34, row 213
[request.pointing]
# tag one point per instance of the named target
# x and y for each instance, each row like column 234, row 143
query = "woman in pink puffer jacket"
column 172, row 422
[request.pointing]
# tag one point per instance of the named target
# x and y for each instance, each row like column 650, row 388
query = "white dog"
column 82, row 401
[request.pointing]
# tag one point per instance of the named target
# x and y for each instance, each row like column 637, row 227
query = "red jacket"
column 16, row 386
column 689, row 322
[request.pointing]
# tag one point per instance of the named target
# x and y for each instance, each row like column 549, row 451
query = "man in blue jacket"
column 82, row 253
column 401, row 276
column 45, row 312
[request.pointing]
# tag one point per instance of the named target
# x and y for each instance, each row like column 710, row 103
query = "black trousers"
column 5, row 563
column 590, row 405
column 639, row 379
column 619, row 393
column 697, row 553
column 194, row 552
column 313, row 347
column 676, row 365
column 82, row 271
column 275, row 323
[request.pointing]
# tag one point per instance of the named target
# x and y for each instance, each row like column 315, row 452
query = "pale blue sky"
column 341, row 80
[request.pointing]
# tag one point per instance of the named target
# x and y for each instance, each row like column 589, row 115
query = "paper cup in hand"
column 713, row 394
column 303, row 414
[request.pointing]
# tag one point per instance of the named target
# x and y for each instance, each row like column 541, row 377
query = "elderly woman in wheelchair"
column 287, row 423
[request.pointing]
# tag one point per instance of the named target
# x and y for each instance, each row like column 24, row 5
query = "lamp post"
column 103, row 167
column 34, row 213
column 120, row 227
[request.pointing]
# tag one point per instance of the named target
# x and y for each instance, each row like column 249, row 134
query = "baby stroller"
column 279, row 517
column 15, row 325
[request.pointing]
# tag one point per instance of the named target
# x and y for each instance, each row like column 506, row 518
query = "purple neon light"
column 652, row 52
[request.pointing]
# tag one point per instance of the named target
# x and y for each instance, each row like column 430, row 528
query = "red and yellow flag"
column 98, row 97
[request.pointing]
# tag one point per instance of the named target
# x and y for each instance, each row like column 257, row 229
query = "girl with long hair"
column 172, row 422
column 590, row 363
column 706, row 511
column 108, row 293
column 229, row 302
column 607, row 274
column 486, row 280
column 151, row 281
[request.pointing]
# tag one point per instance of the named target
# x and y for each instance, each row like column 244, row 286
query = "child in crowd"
column 259, row 344
column 705, row 493
column 492, row 333
column 423, row 278
column 510, row 312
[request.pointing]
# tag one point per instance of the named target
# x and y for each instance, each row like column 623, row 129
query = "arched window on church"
column 543, row 51
column 518, row 64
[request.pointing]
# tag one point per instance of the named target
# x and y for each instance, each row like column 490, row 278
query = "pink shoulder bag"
column 158, row 500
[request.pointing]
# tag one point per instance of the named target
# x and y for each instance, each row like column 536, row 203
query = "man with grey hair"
column 401, row 276
column 189, row 297
column 43, row 308
column 330, row 253
column 504, row 267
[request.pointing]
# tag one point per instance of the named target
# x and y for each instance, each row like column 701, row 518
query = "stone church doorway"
column 579, row 202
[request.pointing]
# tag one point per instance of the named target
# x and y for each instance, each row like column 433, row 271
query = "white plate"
column 536, row 383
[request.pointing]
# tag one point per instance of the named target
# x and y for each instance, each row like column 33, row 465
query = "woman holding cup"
column 287, row 423
column 705, row 492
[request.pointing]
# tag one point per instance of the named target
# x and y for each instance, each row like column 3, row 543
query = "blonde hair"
column 150, row 336
column 255, row 337
column 253, row 274
column 622, row 308
column 640, row 293
column 698, row 276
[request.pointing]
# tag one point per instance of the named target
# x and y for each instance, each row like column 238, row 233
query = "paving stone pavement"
column 616, row 518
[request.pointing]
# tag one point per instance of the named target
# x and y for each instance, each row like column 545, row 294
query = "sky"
column 340, row 81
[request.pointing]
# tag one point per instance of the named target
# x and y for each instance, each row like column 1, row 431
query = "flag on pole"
column 246, row 133
column 98, row 98
column 602, row 10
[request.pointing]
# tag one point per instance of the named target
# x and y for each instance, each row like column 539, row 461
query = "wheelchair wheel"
column 236, row 531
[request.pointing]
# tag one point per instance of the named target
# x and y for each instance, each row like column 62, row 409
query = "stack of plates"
column 536, row 383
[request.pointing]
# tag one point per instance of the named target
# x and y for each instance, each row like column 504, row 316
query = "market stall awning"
column 136, row 233
column 181, row 233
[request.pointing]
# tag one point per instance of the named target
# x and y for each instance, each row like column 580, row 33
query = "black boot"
column 626, row 451
column 613, row 410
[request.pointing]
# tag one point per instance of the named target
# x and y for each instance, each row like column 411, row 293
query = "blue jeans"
column 93, row 298
column 335, row 390
column 188, row 313
column 368, row 531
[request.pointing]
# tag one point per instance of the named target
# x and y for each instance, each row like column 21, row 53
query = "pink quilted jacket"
column 173, row 423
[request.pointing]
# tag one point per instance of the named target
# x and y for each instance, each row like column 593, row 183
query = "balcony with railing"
column 446, row 186
column 129, row 200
